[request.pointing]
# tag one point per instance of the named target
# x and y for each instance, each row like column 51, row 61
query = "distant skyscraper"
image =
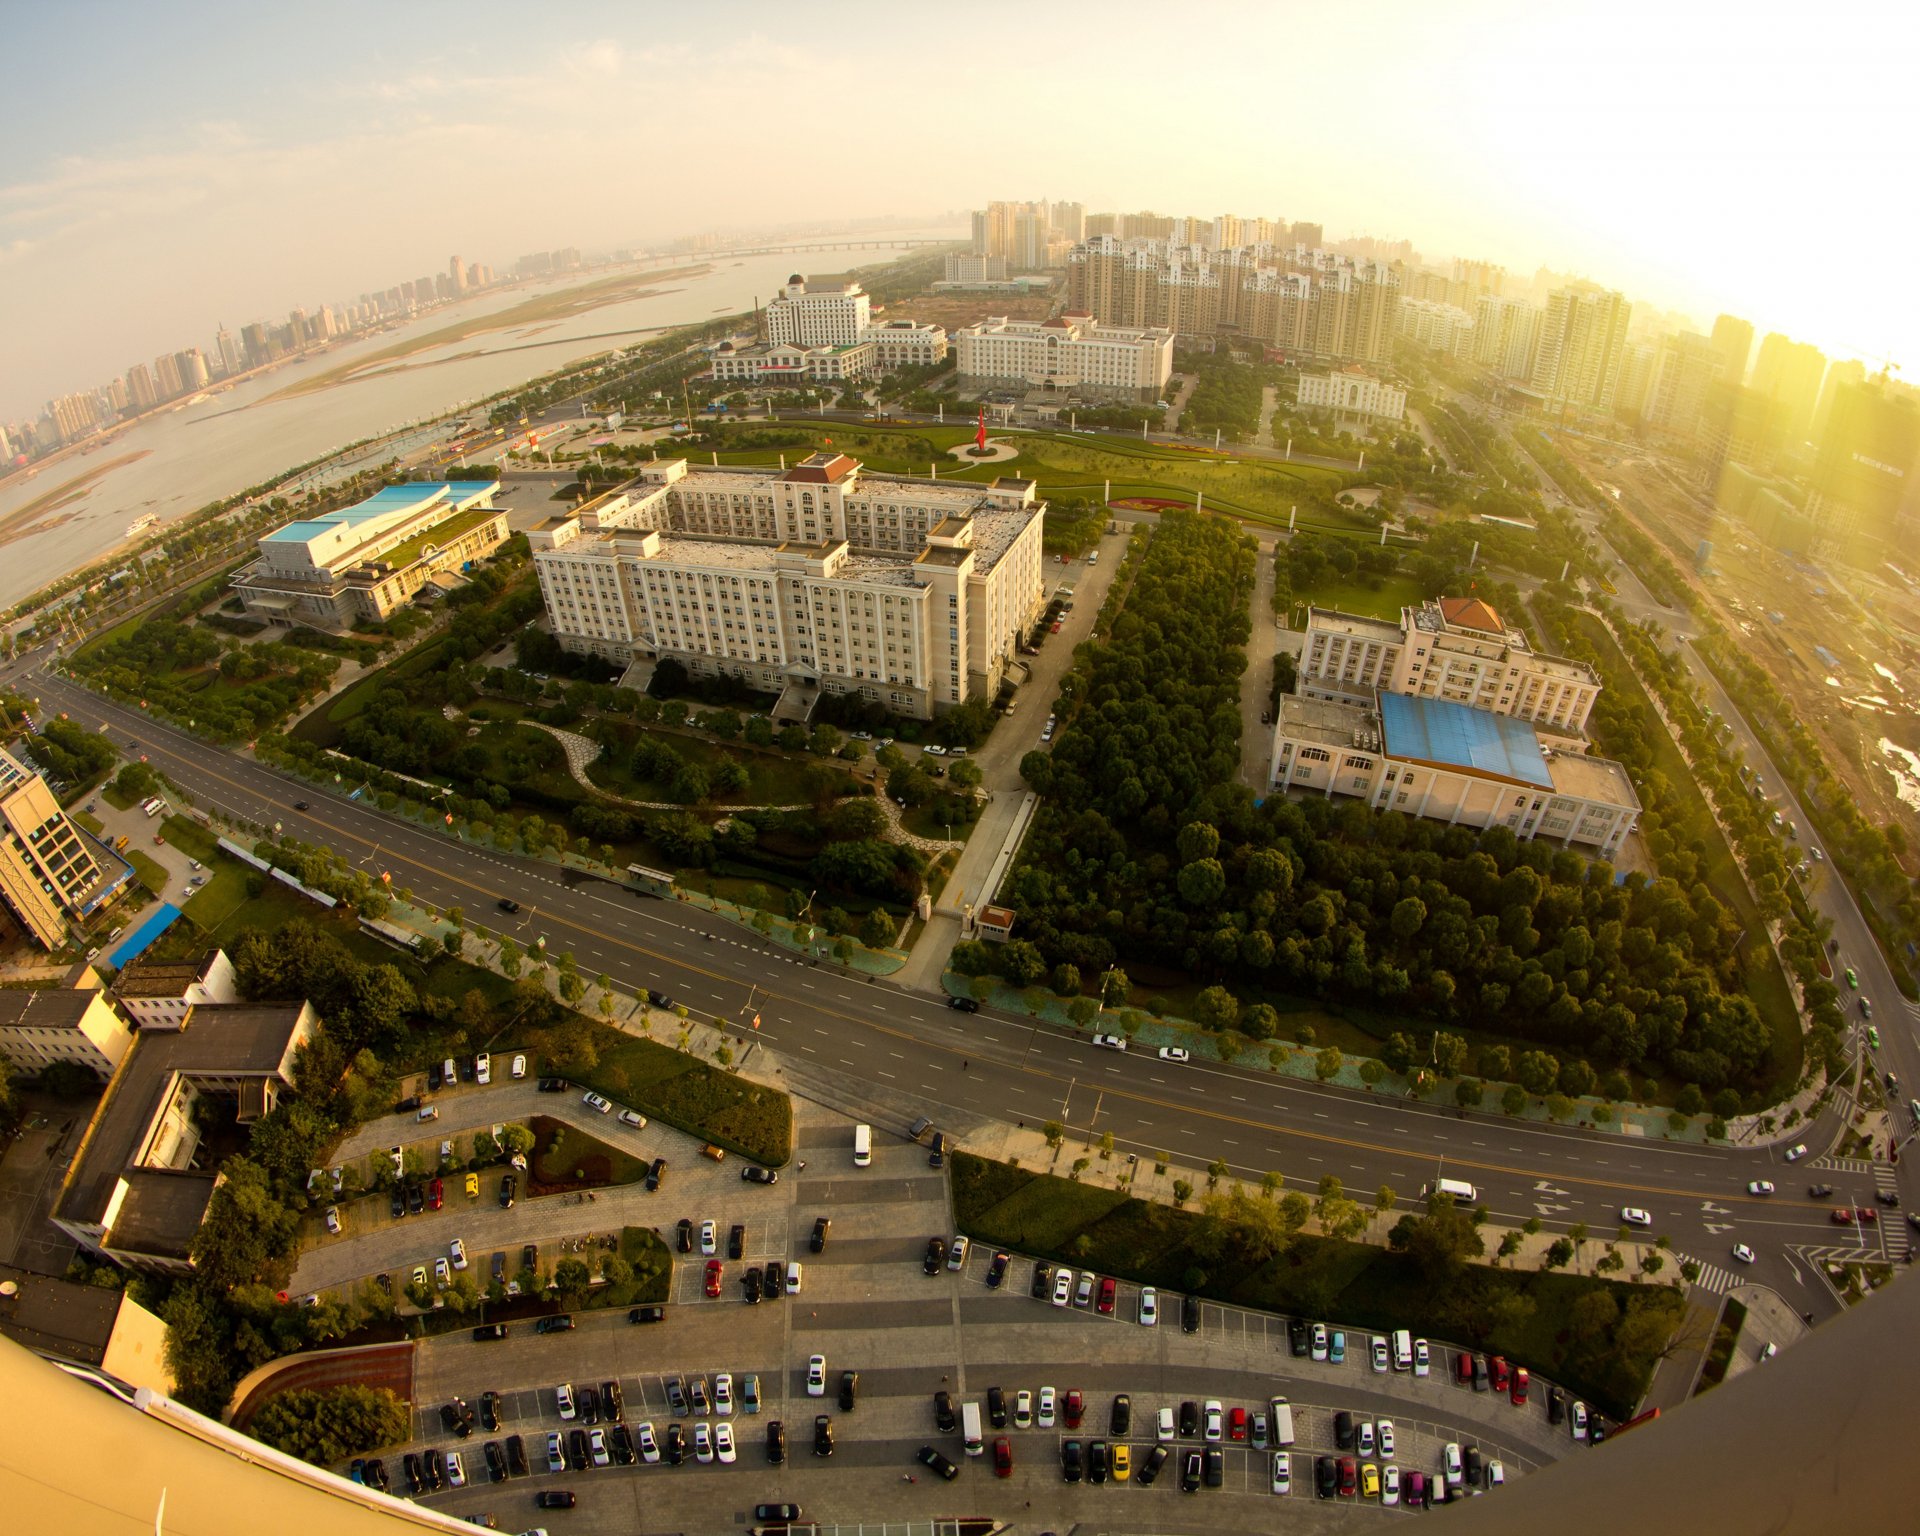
column 1864, row 477
column 258, row 348
column 193, row 370
column 1846, row 371
column 140, row 391
column 1505, row 333
column 1789, row 372
column 232, row 358
column 166, row 374
column 457, row 274
column 1582, row 340
column 1733, row 340
column 1683, row 367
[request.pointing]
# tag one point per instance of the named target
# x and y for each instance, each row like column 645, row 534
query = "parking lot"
column 867, row 1305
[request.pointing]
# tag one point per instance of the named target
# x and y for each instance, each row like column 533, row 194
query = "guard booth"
column 649, row 882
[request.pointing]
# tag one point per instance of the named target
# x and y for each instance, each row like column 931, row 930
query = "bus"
column 1462, row 1192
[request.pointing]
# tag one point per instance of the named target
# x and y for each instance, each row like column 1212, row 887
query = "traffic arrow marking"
column 1710, row 1209
column 1716, row 1228
column 1547, row 1210
column 1542, row 1187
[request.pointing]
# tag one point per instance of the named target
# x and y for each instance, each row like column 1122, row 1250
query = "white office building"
column 913, row 593
column 828, row 317
column 1352, row 392
column 1456, row 649
column 1070, row 351
column 1437, row 326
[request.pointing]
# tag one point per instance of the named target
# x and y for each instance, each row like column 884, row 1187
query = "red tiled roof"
column 1471, row 613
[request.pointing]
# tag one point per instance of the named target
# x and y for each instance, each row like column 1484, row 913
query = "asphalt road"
column 872, row 1041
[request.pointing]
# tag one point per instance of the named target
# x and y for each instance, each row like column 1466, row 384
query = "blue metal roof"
column 1454, row 736
column 393, row 498
column 152, row 926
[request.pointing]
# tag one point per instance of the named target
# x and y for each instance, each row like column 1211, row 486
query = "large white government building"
column 364, row 561
column 827, row 335
column 912, row 593
column 1352, row 392
column 1071, row 351
column 1457, row 649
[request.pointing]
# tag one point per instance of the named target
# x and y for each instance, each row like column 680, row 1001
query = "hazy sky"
column 168, row 167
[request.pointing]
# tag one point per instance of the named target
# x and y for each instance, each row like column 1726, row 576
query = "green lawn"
column 150, row 874
column 702, row 1100
column 1383, row 601
column 1525, row 1315
column 567, row 1159
column 116, row 798
column 190, row 838
column 773, row 777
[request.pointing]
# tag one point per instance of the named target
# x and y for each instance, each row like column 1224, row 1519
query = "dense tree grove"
column 1146, row 851
column 328, row 1427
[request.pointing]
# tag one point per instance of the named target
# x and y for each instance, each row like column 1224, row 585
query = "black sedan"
column 753, row 1174
column 936, row 1255
column 776, row 1512
column 929, row 1457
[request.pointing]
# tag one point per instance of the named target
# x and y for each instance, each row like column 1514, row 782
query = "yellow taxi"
column 1122, row 1462
column 473, row 1186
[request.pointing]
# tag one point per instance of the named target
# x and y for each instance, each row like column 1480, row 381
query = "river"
column 186, row 458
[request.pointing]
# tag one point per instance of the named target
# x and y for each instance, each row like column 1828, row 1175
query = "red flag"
column 980, row 435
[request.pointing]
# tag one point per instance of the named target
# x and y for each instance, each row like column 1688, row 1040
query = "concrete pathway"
column 1269, row 406
column 1256, row 683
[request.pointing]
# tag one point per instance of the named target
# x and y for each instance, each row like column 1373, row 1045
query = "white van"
column 450, row 1072
column 1280, row 1423
column 153, row 806
column 1402, row 1350
column 862, row 1145
column 970, row 1429
column 1462, row 1192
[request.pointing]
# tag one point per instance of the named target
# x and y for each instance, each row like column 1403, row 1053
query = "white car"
column 649, row 1447
column 1365, row 1444
column 1149, row 1306
column 1023, row 1409
column 723, row 1392
column 1380, row 1364
column 1062, row 1287
column 595, row 1102
column 633, row 1118
column 333, row 1221
column 1759, row 1187
column 934, row 750
column 1083, row 1293
column 1577, row 1418
column 817, row 1376
column 1450, row 1459
column 1282, row 1473
column 709, row 1239
column 1422, row 1360
column 957, row 1254
column 1496, row 1474
column 457, row 1251
column 1389, row 1485
column 703, row 1444
column 1111, row 1042
column 456, row 1474
column 1384, row 1433
column 1743, row 1253
column 793, row 1277
column 1320, row 1342
column 1633, row 1216
column 483, row 1069
column 442, row 1276
column 563, row 1396
column 1163, row 1430
column 1794, row 1154
column 722, row 1441
column 1214, row 1416
column 1175, row 1053
column 597, row 1447
column 1047, row 1404
column 556, row 1457
column 519, row 1068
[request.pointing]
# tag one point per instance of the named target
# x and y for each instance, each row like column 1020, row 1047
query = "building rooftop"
column 230, row 1039
column 1592, row 778
column 1360, row 624
column 1326, row 724
column 822, row 468
column 44, row 1007
column 162, row 1210
column 1472, row 613
column 58, row 1317
column 164, row 978
column 1448, row 735
column 382, row 503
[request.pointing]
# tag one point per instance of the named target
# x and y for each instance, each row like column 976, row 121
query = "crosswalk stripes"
column 1893, row 1225
column 1712, row 1277
column 1853, row 1165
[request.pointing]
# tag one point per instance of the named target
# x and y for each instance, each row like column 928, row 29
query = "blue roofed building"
column 1448, row 762
column 366, row 560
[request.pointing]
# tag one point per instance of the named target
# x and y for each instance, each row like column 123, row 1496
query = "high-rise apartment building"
column 1738, row 425
column 232, row 358
column 1733, row 340
column 166, row 375
column 1437, row 326
column 1866, row 475
column 827, row 317
column 140, row 390
column 1789, row 372
column 1505, row 334
column 1848, row 370
column 255, row 343
column 193, row 369
column 49, row 873
column 1300, row 302
column 911, row 593
column 456, row 274
column 1683, row 366
column 1582, row 338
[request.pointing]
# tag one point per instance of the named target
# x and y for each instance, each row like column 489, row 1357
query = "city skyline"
column 1519, row 159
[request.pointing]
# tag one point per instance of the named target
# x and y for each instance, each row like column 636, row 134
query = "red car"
column 1463, row 1369
column 1520, row 1379
column 1843, row 1215
column 1074, row 1407
column 1108, row 1286
column 1867, row 1215
column 1003, row 1457
column 1055, row 629
column 1500, row 1373
column 714, row 1268
column 1349, row 1477
column 1236, row 1423
column 435, row 1195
